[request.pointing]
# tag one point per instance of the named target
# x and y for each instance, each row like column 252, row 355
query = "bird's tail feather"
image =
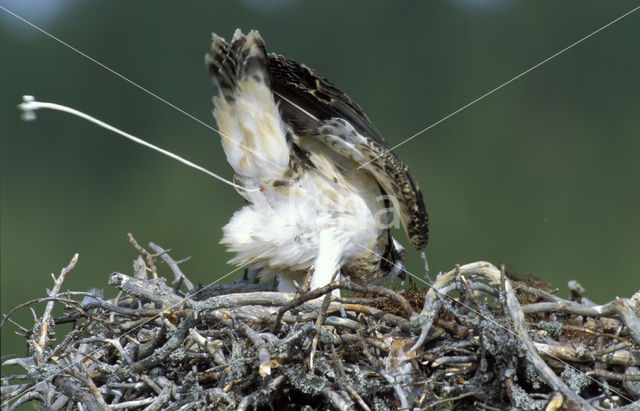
column 229, row 64
column 253, row 134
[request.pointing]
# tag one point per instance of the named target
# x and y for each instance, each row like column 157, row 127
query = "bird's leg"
column 328, row 261
column 306, row 286
column 249, row 277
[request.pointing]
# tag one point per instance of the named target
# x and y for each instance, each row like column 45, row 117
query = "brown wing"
column 313, row 106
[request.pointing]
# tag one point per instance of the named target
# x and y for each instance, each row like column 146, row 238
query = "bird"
column 319, row 180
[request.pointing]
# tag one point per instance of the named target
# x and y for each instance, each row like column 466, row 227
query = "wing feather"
column 312, row 106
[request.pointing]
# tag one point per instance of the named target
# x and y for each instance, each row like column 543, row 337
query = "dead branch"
column 147, row 255
column 173, row 265
column 45, row 323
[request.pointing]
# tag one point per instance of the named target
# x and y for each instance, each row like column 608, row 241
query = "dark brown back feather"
column 308, row 89
column 297, row 85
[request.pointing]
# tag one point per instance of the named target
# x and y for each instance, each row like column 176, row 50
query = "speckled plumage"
column 296, row 143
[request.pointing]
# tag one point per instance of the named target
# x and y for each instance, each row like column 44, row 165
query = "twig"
column 173, row 265
column 150, row 262
column 84, row 376
column 155, row 291
column 132, row 404
column 519, row 327
column 336, row 400
column 43, row 338
column 263, row 354
column 28, row 303
column 452, row 400
column 630, row 319
column 321, row 316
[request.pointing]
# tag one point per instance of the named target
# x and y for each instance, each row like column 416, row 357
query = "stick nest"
column 477, row 339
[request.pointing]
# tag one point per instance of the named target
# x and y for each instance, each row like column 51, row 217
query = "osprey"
column 318, row 177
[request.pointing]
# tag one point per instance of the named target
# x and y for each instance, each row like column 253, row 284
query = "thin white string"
column 138, row 86
column 29, row 105
column 502, row 85
column 392, row 148
column 523, row 338
column 296, row 106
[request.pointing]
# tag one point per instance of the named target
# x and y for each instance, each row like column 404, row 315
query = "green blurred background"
column 542, row 175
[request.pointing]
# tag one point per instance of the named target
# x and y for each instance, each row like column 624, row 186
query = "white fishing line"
column 29, row 106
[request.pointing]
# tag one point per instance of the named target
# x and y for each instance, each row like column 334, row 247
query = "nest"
column 477, row 339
